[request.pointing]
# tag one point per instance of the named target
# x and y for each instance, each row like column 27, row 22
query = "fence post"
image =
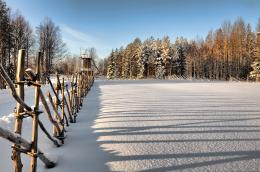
column 69, row 103
column 16, row 156
column 80, row 89
column 56, row 102
column 60, row 87
column 62, row 108
column 35, row 120
column 76, row 94
column 72, row 100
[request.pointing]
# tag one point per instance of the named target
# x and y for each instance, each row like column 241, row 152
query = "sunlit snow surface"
column 157, row 126
column 185, row 126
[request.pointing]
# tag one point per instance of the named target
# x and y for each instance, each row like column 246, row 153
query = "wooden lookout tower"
column 86, row 66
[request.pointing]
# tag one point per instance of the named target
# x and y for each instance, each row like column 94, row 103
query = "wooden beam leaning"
column 55, row 142
column 13, row 91
column 68, row 105
column 59, row 135
column 17, row 139
column 59, row 87
column 52, row 87
column 56, row 113
column 57, row 100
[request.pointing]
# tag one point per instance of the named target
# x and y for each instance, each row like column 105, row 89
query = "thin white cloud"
column 76, row 39
column 80, row 36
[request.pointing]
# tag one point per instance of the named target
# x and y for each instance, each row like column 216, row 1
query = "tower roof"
column 85, row 56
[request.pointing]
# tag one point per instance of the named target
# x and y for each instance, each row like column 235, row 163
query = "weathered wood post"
column 76, row 94
column 80, row 89
column 62, row 106
column 35, row 122
column 60, row 88
column 69, row 103
column 16, row 157
column 84, row 84
column 71, row 97
column 73, row 104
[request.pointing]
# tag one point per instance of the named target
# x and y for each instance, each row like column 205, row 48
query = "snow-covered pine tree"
column 117, row 63
column 191, row 63
column 111, row 66
column 119, row 59
column 141, row 63
column 137, row 59
column 159, row 70
column 126, row 61
column 134, row 57
column 165, row 49
column 154, row 66
column 256, row 64
column 181, row 50
column 249, row 55
column 146, row 56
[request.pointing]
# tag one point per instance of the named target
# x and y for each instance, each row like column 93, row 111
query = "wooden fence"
column 80, row 84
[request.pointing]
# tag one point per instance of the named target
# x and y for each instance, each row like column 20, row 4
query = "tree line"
column 17, row 33
column 225, row 53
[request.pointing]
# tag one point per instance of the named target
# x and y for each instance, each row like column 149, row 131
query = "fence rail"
column 80, row 84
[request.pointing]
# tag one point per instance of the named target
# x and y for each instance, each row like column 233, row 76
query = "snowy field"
column 156, row 126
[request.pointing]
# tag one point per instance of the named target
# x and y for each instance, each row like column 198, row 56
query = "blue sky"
column 109, row 24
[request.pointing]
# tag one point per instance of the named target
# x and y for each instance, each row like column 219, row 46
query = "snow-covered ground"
column 157, row 126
